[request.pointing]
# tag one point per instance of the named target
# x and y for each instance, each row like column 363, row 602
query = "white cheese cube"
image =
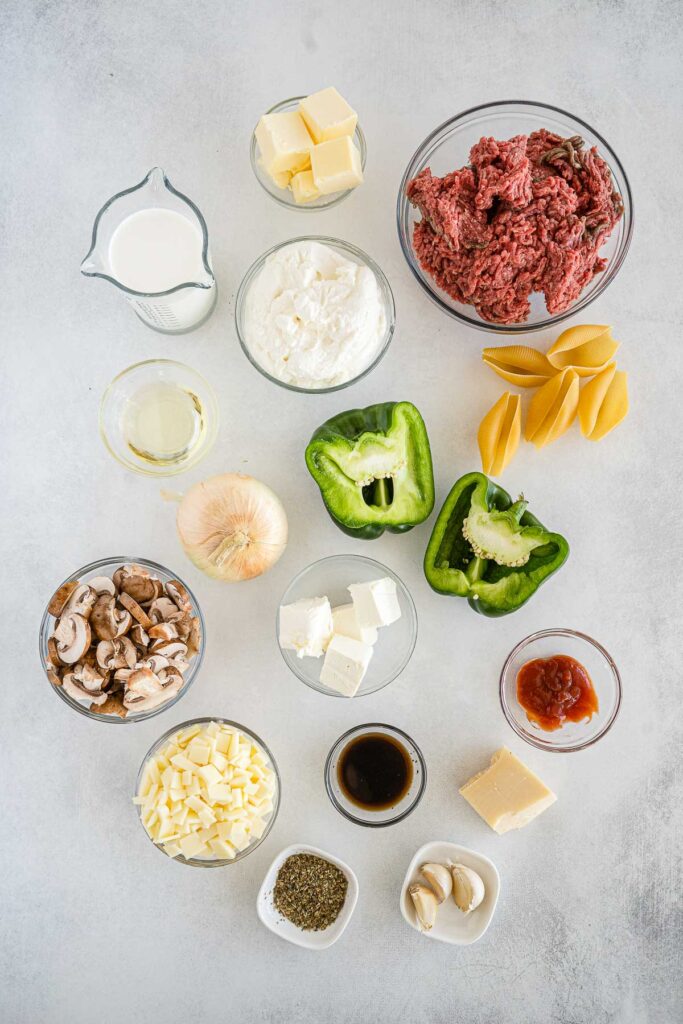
column 345, row 664
column 306, row 626
column 345, row 623
column 376, row 603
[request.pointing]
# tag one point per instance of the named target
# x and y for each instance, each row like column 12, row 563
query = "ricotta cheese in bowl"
column 314, row 314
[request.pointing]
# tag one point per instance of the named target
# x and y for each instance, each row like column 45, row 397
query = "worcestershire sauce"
column 375, row 771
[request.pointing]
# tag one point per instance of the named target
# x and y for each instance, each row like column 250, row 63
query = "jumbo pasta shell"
column 553, row 408
column 499, row 434
column 586, row 348
column 519, row 364
column 603, row 403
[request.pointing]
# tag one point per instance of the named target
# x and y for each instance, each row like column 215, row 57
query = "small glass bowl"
column 350, row 252
column 197, row 862
column 284, row 196
column 123, row 390
column 329, row 577
column 601, row 669
column 447, row 148
column 390, row 815
column 107, row 567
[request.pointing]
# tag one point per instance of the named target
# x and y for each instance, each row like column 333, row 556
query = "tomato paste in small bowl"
column 513, row 216
column 560, row 690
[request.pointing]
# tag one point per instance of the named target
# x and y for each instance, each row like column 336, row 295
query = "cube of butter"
column 284, row 142
column 507, row 794
column 336, row 165
column 327, row 115
column 303, row 187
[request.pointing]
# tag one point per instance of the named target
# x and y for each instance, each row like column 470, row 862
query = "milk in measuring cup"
column 154, row 250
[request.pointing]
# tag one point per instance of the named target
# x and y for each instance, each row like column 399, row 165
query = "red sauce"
column 556, row 690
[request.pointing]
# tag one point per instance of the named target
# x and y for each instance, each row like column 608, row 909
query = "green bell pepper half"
column 503, row 555
column 374, row 469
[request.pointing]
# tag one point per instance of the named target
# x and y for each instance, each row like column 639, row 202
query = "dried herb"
column 310, row 891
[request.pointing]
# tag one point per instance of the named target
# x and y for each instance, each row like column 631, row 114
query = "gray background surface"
column 96, row 925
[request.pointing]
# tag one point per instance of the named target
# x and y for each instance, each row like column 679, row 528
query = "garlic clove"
column 468, row 888
column 439, row 880
column 425, row 904
column 232, row 527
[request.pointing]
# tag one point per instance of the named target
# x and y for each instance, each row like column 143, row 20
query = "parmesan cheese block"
column 507, row 794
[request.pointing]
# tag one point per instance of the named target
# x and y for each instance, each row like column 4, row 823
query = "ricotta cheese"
column 312, row 317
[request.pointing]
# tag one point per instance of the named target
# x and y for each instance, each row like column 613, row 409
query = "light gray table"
column 96, row 925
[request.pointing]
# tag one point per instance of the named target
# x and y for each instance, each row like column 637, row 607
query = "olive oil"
column 163, row 423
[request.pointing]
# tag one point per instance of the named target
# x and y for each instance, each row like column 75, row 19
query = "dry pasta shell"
column 499, row 434
column 603, row 403
column 553, row 408
column 586, row 348
column 519, row 364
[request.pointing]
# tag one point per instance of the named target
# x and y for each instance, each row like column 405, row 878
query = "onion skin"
column 232, row 527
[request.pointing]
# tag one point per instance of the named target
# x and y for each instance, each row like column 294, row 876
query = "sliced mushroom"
column 156, row 663
column 194, row 641
column 53, row 654
column 170, row 677
column 169, row 648
column 103, row 618
column 88, row 677
column 142, row 686
column 163, row 609
column 139, row 637
column 183, row 625
column 54, row 677
column 140, row 588
column 73, row 638
column 163, row 631
column 117, row 653
column 102, row 585
column 136, row 611
column 81, row 601
column 179, row 663
column 124, row 621
column 61, row 596
column 178, row 593
column 113, row 705
column 78, row 691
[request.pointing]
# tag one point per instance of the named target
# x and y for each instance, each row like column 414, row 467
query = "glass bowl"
column 120, row 398
column 447, row 148
column 601, row 669
column 284, row 196
column 198, row 862
column 107, row 567
column 329, row 577
column 389, row 815
column 350, row 252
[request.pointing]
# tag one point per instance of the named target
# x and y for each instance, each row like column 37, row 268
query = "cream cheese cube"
column 346, row 662
column 306, row 626
column 284, row 142
column 303, row 187
column 376, row 603
column 345, row 622
column 327, row 115
column 336, row 165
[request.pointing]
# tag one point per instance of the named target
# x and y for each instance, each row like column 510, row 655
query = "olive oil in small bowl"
column 159, row 417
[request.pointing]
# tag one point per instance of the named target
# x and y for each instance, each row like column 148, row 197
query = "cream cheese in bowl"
column 314, row 314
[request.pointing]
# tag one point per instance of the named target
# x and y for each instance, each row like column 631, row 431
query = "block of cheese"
column 336, row 165
column 284, row 142
column 327, row 115
column 303, row 187
column 345, row 621
column 346, row 662
column 375, row 602
column 306, row 626
column 507, row 794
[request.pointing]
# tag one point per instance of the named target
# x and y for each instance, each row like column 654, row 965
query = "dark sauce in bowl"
column 375, row 771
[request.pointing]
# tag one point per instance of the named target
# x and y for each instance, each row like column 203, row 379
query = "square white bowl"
column 451, row 924
column 274, row 920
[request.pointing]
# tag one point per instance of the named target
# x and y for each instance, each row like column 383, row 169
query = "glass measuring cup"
column 187, row 303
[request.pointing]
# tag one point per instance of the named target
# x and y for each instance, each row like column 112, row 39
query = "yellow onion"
column 232, row 527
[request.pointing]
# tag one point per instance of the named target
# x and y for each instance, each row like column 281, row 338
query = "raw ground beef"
column 527, row 215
